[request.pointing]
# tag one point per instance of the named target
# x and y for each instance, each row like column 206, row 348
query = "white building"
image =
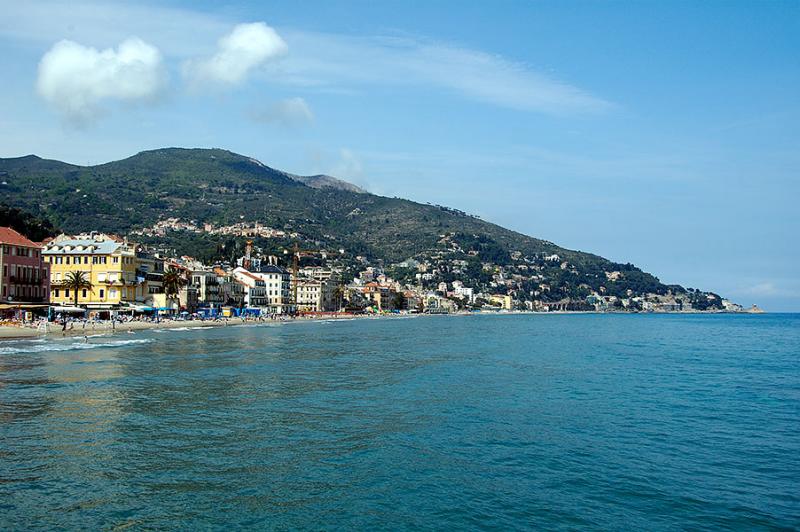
column 277, row 286
column 255, row 289
column 208, row 288
column 464, row 292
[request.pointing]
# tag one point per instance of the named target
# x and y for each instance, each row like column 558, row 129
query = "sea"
column 480, row 422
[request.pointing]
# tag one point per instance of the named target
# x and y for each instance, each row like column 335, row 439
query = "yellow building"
column 504, row 301
column 107, row 262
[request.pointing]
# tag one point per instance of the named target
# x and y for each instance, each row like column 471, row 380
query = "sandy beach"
column 78, row 328
column 54, row 329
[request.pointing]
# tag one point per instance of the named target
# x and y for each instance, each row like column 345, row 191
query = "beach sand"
column 54, row 329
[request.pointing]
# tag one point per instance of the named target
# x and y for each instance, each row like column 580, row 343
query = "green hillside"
column 220, row 187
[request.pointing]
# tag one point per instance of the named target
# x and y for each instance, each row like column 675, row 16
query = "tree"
column 338, row 296
column 76, row 281
column 398, row 301
column 173, row 282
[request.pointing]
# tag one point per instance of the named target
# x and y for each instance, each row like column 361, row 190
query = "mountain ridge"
column 221, row 187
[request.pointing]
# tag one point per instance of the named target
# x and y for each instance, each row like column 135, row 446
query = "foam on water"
column 43, row 346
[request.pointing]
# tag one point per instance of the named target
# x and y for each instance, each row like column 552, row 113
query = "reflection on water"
column 504, row 422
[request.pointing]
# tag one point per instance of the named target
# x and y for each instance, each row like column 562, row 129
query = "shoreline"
column 106, row 327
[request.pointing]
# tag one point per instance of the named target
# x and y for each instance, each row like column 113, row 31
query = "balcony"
column 23, row 281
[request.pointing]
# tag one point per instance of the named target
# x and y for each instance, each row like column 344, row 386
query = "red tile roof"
column 9, row 236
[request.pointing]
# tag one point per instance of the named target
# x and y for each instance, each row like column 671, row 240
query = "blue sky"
column 665, row 134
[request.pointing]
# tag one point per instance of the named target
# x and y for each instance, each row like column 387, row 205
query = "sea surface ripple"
column 648, row 422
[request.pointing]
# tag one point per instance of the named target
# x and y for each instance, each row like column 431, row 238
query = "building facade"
column 24, row 274
column 149, row 277
column 255, row 291
column 277, row 282
column 209, row 293
column 108, row 263
column 309, row 295
column 330, row 295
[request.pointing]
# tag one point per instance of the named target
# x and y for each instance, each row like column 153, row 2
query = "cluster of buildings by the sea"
column 119, row 276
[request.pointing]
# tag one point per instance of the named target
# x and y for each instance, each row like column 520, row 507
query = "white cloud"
column 323, row 61
column 77, row 80
column 292, row 112
column 327, row 61
column 246, row 48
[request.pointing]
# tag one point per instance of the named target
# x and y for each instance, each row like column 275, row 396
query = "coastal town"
column 103, row 276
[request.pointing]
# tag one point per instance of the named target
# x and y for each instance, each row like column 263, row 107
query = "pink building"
column 24, row 275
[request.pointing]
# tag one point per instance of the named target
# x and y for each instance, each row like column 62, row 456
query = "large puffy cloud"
column 247, row 47
column 291, row 112
column 78, row 79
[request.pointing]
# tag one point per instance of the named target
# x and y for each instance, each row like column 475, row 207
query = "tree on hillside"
column 35, row 228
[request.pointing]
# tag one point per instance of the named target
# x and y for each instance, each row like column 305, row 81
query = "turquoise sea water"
column 490, row 422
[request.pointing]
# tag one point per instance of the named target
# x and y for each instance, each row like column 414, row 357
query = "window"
column 66, row 294
column 56, row 292
column 112, row 293
column 84, row 293
column 102, row 293
column 116, row 260
column 86, row 259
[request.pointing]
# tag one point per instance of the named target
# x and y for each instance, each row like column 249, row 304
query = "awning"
column 68, row 309
column 138, row 308
column 15, row 306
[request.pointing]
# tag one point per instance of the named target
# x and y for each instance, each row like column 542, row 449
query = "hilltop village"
column 103, row 274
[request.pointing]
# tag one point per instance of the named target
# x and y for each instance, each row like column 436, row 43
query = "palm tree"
column 173, row 282
column 76, row 281
column 338, row 296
